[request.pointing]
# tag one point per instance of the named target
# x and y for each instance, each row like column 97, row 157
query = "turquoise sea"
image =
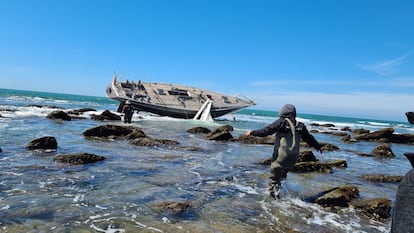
column 224, row 183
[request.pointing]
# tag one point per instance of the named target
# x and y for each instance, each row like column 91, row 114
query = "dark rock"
column 376, row 135
column 220, row 136
column 1, row 150
column 410, row 157
column 79, row 158
column 268, row 140
column 339, row 197
column 302, row 167
column 401, row 138
column 382, row 150
column 346, row 128
column 81, row 110
column 328, row 147
column 43, row 143
column 44, row 106
column 340, row 134
column 382, row 178
column 337, row 163
column 375, row 208
column 151, row 142
column 137, row 133
column 199, row 129
column 360, row 131
column 306, row 156
column 59, row 115
column 106, row 115
column 323, row 125
column 106, row 131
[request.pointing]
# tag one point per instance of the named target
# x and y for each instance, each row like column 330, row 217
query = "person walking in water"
column 128, row 112
column 288, row 132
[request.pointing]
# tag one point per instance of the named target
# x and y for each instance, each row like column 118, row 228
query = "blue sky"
column 344, row 57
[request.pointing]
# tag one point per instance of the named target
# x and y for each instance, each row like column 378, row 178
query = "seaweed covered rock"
column 137, row 133
column 59, row 115
column 108, row 131
column 302, row 167
column 382, row 178
column 173, row 207
column 338, row 197
column 79, row 158
column 44, row 143
column 375, row 208
column 106, row 115
column 382, row 150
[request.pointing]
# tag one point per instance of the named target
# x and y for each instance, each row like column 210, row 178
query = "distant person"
column 286, row 150
column 128, row 112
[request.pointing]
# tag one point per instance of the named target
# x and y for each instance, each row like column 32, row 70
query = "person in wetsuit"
column 288, row 132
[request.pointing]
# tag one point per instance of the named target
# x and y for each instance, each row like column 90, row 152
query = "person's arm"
column 268, row 130
column 310, row 139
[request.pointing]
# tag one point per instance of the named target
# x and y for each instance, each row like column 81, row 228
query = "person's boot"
column 274, row 189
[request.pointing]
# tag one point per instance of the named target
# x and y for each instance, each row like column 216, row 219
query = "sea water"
column 225, row 183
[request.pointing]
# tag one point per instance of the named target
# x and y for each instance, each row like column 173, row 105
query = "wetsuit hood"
column 288, row 110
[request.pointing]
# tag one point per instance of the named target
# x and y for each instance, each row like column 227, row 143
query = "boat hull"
column 175, row 104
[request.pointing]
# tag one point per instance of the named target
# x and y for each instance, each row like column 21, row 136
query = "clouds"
column 385, row 68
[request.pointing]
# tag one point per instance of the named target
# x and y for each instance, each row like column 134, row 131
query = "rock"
column 340, row 196
column 375, row 208
column 323, row 125
column 137, row 133
column 376, row 135
column 306, row 156
column 59, row 115
column 410, row 117
column 302, row 167
column 1, row 150
column 382, row 178
column 268, row 140
column 151, row 142
column 328, row 147
column 220, row 136
column 106, row 115
column 81, row 110
column 173, row 207
column 346, row 128
column 107, row 131
column 360, row 131
column 340, row 134
column 79, row 158
column 199, row 129
column 43, row 143
column 337, row 163
column 382, row 150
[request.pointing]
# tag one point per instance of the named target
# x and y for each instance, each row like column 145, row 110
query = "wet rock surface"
column 43, row 143
column 78, row 158
column 59, row 115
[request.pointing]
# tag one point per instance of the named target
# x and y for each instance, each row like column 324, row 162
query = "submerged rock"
column 81, row 110
column 59, row 115
column 173, row 207
column 79, row 158
column 43, row 143
column 151, row 142
column 382, row 178
column 383, row 150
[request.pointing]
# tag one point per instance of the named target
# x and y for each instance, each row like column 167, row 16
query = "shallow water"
column 224, row 182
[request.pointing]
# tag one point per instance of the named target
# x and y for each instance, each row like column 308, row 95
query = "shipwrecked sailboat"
column 174, row 100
